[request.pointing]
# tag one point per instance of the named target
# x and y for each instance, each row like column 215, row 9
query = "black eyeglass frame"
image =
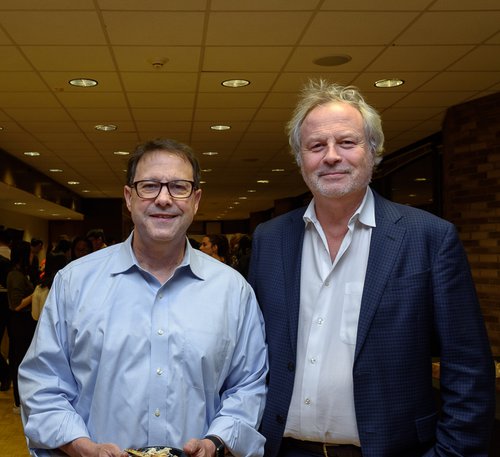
column 167, row 185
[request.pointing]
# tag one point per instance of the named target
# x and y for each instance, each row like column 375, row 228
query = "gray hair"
column 320, row 92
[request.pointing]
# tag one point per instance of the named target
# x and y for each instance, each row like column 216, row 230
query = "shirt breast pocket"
column 350, row 312
column 204, row 359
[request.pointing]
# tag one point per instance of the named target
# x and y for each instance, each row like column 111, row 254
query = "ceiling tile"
column 54, row 27
column 163, row 114
column 46, row 5
column 224, row 59
column 28, row 100
column 264, row 5
column 238, row 29
column 92, row 99
column 69, row 58
column 350, row 28
column 141, row 58
column 434, row 99
column 370, row 5
column 302, row 59
column 12, row 59
column 451, row 28
column 464, row 5
column 229, row 100
column 154, row 28
column 418, row 58
column 160, row 100
column 154, row 5
column 467, row 80
column 159, row 82
column 484, row 58
column 16, row 81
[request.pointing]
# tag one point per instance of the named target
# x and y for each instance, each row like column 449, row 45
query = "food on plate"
column 151, row 452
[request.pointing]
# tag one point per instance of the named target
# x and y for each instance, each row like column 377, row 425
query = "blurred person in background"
column 4, row 304
column 21, row 324
column 96, row 237
column 216, row 246
column 36, row 246
column 80, row 247
column 54, row 262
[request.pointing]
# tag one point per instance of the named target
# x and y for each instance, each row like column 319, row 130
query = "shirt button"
column 307, row 401
column 157, row 412
column 160, row 332
column 159, row 371
column 327, row 283
column 312, row 360
column 320, row 321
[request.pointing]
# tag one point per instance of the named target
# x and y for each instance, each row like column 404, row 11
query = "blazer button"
column 291, row 366
column 280, row 419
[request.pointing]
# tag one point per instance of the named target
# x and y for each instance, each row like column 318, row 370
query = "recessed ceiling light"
column 210, row 153
column 83, row 82
column 41, row 210
column 73, row 183
column 420, row 179
column 55, row 214
column 390, row 82
column 1, row 128
column 19, row 203
column 55, row 170
column 332, row 61
column 235, row 82
column 220, row 127
column 206, row 170
column 251, row 191
column 236, row 203
column 243, row 198
column 263, row 181
column 278, row 169
column 86, row 191
column 106, row 127
column 121, row 153
column 203, row 182
column 32, row 153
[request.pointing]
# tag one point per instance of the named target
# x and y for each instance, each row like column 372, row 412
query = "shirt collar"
column 365, row 213
column 126, row 259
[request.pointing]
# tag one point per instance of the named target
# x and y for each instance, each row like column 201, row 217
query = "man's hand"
column 199, row 448
column 83, row 447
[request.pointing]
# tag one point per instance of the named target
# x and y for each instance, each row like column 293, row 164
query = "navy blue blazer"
column 418, row 301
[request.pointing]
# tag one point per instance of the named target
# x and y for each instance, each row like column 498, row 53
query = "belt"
column 325, row 449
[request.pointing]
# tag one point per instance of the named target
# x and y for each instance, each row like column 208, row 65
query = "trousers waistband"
column 325, row 449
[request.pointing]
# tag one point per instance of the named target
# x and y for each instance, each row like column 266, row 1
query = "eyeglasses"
column 179, row 188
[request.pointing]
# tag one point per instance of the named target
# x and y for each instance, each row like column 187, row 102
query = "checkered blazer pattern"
column 418, row 302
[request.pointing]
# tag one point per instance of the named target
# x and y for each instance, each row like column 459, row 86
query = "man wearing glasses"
column 148, row 342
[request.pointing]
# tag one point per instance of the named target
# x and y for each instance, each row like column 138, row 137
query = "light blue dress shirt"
column 119, row 357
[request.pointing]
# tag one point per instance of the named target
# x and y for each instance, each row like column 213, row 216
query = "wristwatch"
column 220, row 447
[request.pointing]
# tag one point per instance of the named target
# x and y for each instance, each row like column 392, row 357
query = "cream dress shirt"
column 322, row 405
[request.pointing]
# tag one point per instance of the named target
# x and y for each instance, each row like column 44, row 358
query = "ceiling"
column 446, row 51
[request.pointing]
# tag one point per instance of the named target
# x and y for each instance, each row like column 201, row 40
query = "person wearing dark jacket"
column 357, row 293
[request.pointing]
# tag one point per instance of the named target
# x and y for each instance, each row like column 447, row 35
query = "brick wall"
column 471, row 196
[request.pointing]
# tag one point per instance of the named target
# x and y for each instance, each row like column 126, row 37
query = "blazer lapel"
column 292, row 240
column 385, row 243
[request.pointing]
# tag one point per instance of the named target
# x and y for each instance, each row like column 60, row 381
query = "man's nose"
column 331, row 153
column 164, row 196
